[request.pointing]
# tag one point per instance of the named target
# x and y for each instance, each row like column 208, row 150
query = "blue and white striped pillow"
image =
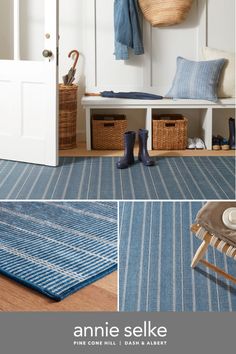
column 196, row 79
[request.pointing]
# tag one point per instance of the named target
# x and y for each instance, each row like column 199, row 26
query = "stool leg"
column 200, row 253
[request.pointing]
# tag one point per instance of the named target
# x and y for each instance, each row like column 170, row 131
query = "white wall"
column 6, row 29
column 31, row 29
column 211, row 24
column 154, row 70
column 221, row 24
column 87, row 25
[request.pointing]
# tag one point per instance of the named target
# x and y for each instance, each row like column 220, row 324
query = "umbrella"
column 70, row 77
column 130, row 95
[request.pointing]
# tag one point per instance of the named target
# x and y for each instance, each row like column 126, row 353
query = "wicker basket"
column 169, row 132
column 162, row 13
column 67, row 116
column 108, row 132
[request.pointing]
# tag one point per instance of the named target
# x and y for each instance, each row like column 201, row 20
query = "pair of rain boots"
column 143, row 155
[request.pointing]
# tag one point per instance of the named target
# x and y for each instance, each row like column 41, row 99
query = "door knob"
column 47, row 53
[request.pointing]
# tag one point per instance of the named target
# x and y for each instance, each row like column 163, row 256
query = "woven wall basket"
column 162, row 13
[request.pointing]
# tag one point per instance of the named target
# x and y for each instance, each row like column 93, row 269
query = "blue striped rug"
column 98, row 178
column 156, row 249
column 57, row 248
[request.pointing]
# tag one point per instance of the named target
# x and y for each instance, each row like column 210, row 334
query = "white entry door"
column 28, row 81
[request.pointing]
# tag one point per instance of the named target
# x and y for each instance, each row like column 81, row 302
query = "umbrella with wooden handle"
column 129, row 95
column 70, row 77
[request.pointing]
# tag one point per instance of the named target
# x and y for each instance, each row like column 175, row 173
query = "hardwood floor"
column 81, row 151
column 99, row 296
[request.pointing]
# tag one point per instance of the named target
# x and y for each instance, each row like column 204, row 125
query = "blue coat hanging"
column 128, row 32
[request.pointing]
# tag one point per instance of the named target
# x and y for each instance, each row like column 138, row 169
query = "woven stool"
column 210, row 228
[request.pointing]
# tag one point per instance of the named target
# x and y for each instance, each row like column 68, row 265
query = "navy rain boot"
column 143, row 152
column 232, row 133
column 128, row 158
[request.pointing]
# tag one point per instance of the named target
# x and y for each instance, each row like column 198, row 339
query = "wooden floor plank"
column 81, row 151
column 99, row 296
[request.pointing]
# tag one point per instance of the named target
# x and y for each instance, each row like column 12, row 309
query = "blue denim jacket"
column 128, row 33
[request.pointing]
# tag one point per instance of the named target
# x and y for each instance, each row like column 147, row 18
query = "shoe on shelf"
column 215, row 143
column 199, row 143
column 224, row 143
column 191, row 144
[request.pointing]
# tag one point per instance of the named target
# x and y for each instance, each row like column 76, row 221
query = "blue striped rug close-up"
column 98, row 178
column 57, row 248
column 156, row 250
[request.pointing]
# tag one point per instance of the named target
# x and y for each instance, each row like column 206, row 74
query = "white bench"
column 206, row 107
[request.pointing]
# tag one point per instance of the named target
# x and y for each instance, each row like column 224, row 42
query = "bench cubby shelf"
column 205, row 111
